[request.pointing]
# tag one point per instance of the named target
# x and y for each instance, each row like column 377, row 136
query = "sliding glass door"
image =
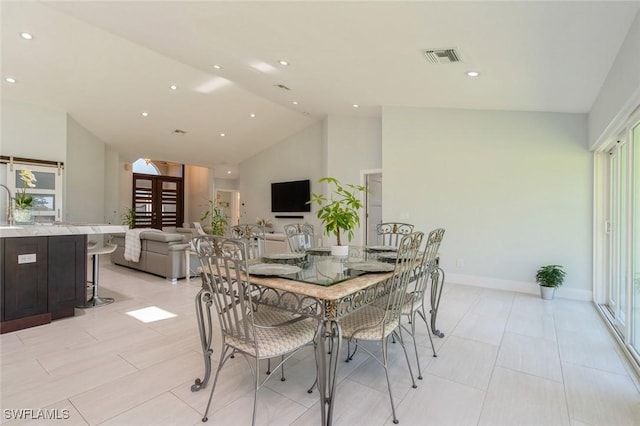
column 621, row 256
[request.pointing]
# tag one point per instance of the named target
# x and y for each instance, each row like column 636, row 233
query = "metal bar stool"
column 95, row 253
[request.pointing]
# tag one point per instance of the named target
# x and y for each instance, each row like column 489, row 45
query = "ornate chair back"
column 390, row 233
column 299, row 236
column 199, row 229
column 223, row 261
column 406, row 261
column 253, row 235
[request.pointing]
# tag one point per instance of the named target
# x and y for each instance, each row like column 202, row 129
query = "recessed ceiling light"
column 222, row 134
column 26, row 36
column 473, row 73
column 10, row 80
column 252, row 115
column 356, row 106
column 173, row 87
column 145, row 114
column 228, row 172
column 295, row 102
column 283, row 62
column 218, row 67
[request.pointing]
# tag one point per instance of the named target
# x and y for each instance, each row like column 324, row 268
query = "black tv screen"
column 289, row 197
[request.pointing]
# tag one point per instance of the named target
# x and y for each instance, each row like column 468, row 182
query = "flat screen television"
column 290, row 197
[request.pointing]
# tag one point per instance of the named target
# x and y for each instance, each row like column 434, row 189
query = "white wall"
column 352, row 144
column 85, row 175
column 29, row 131
column 512, row 190
column 338, row 146
column 295, row 158
column 620, row 93
column 125, row 186
column 32, row 132
column 197, row 193
column 112, row 213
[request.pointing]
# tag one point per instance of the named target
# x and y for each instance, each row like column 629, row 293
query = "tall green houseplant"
column 216, row 219
column 129, row 217
column 340, row 212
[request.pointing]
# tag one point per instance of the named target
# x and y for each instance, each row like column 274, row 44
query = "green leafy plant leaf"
column 340, row 212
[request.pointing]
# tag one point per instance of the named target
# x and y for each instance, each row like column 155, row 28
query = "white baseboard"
column 518, row 286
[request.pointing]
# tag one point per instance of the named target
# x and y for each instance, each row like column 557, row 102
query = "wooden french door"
column 158, row 201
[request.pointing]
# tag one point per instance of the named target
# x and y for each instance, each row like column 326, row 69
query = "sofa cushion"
column 161, row 236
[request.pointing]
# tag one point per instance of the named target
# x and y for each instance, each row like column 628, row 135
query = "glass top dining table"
column 317, row 266
column 317, row 285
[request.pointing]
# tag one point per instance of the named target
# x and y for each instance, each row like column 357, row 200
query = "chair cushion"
column 367, row 324
column 278, row 340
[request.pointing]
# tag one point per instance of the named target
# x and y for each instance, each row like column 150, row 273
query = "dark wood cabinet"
column 24, row 290
column 41, row 278
column 66, row 276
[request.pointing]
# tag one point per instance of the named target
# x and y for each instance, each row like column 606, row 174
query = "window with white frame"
column 46, row 192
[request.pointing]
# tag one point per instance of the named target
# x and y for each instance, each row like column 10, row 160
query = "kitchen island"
column 43, row 271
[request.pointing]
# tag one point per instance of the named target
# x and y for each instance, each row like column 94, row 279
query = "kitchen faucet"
column 10, row 209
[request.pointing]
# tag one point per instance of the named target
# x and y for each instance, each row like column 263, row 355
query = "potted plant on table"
column 23, row 202
column 340, row 212
column 216, row 218
column 549, row 277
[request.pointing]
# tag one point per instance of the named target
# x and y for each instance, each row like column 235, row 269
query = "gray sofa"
column 162, row 253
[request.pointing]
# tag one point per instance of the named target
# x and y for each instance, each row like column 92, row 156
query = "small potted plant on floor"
column 340, row 212
column 549, row 277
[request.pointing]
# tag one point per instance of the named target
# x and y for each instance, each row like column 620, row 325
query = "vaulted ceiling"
column 106, row 62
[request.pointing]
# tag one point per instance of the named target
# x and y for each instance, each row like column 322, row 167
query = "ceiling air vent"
column 443, row 56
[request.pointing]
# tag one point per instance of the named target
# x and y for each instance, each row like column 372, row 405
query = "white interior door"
column 228, row 201
column 373, row 205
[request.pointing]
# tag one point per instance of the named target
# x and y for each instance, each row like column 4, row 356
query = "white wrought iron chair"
column 300, row 236
column 199, row 228
column 373, row 323
column 246, row 330
column 426, row 270
column 253, row 235
column 390, row 233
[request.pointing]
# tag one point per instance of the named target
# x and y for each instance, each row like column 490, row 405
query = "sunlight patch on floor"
column 151, row 314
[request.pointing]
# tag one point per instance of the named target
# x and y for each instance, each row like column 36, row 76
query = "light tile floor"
column 506, row 359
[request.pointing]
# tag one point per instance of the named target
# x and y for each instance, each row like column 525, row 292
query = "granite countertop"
column 45, row 230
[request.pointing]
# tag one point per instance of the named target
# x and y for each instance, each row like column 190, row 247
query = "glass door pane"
column 635, row 244
column 619, row 239
column 614, row 244
column 623, row 237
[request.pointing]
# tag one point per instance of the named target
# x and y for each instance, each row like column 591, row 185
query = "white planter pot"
column 340, row 251
column 547, row 292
